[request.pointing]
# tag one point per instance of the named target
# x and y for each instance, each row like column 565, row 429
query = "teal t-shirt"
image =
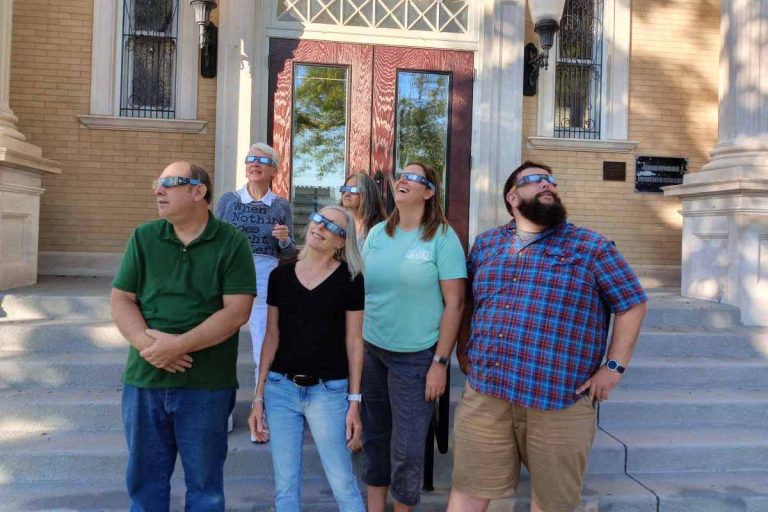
column 403, row 300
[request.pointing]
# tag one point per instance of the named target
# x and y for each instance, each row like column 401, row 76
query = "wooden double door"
column 336, row 109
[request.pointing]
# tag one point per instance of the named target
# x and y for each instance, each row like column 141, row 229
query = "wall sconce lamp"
column 208, row 36
column 546, row 16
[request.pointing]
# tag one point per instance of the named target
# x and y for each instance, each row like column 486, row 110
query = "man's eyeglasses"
column 536, row 178
column 263, row 160
column 351, row 190
column 328, row 224
column 174, row 181
column 416, row 178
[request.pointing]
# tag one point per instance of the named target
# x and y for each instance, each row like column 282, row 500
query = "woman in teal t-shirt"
column 415, row 275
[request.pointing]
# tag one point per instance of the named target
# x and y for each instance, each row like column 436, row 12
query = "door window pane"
column 422, row 119
column 319, row 139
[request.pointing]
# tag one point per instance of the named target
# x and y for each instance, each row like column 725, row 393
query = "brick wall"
column 104, row 190
column 673, row 104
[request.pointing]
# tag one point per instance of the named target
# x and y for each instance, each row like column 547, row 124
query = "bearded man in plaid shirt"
column 543, row 291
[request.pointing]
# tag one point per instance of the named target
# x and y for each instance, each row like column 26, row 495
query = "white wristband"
column 355, row 397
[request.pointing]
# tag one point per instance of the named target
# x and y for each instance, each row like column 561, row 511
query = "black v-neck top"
column 312, row 323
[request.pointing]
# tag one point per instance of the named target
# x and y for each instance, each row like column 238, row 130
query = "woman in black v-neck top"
column 313, row 350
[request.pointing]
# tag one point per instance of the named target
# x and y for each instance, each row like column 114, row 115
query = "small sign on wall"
column 654, row 172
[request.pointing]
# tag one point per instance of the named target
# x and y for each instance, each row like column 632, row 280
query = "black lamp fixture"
column 208, row 36
column 546, row 16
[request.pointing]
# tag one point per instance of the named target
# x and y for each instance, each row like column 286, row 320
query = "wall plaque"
column 654, row 172
column 614, row 171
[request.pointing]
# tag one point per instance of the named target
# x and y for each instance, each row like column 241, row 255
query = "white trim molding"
column 614, row 116
column 144, row 124
column 105, row 64
column 340, row 30
column 590, row 145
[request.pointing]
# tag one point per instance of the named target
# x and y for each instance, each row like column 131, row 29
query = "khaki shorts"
column 492, row 438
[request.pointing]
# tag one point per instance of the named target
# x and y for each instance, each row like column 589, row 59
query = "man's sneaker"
column 230, row 424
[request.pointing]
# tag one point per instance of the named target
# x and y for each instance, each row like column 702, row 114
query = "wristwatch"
column 440, row 359
column 614, row 366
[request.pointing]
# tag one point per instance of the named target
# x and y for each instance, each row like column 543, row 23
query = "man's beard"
column 542, row 214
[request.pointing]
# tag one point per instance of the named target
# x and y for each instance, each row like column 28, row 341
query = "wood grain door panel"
column 388, row 61
column 283, row 55
column 371, row 136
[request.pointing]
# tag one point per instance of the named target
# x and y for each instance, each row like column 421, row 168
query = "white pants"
column 258, row 322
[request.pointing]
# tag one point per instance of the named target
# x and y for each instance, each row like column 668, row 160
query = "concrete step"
column 73, row 335
column 58, row 297
column 616, row 493
column 689, row 373
column 682, row 373
column 675, row 408
column 692, row 492
column 101, row 370
column 47, row 410
column 67, row 455
column 703, row 449
column 19, row 369
column 667, row 309
column 86, row 335
column 737, row 491
column 35, row 307
column 731, row 344
column 75, row 456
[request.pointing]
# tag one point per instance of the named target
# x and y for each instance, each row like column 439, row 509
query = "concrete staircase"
column 686, row 431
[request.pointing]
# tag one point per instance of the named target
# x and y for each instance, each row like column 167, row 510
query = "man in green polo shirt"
column 184, row 288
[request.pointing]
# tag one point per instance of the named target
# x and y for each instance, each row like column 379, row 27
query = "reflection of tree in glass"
column 422, row 119
column 319, row 116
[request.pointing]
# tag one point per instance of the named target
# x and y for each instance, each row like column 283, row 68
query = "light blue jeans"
column 324, row 406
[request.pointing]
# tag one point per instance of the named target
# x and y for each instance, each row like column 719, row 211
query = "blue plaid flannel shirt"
column 541, row 312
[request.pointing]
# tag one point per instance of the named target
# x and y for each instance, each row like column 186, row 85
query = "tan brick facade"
column 103, row 191
column 673, row 102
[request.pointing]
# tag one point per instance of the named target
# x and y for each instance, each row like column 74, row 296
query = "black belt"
column 302, row 380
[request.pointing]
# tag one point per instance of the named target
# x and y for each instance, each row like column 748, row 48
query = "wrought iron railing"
column 148, row 64
column 579, row 71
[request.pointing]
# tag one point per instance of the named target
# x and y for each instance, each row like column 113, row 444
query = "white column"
column 7, row 119
column 21, row 170
column 497, row 110
column 725, row 206
column 238, row 71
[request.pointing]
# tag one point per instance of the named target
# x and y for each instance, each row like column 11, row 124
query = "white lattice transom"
column 440, row 16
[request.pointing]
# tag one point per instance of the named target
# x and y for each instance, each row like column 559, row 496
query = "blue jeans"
column 159, row 423
column 396, row 419
column 324, row 406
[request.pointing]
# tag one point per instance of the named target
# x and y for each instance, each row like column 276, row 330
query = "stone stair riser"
column 19, row 308
column 725, row 317
column 669, row 459
column 683, row 415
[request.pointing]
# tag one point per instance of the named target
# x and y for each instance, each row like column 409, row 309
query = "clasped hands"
column 166, row 351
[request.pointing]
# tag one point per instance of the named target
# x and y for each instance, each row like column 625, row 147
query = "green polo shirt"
column 178, row 288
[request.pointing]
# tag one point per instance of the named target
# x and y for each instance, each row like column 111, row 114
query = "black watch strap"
column 614, row 366
column 440, row 359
